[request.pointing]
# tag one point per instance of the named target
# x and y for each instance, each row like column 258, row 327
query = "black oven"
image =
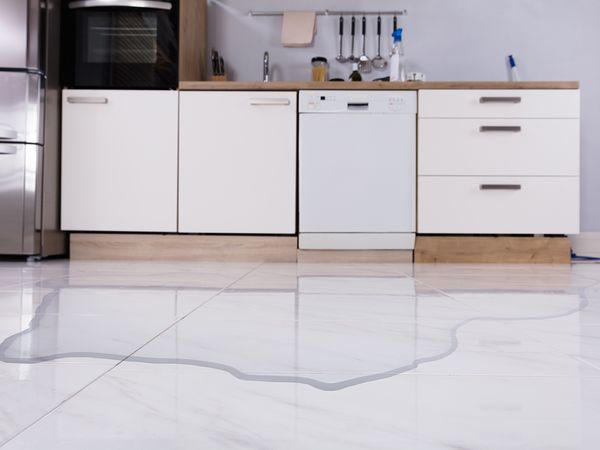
column 120, row 44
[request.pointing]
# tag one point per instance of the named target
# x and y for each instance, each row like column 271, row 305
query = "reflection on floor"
column 114, row 355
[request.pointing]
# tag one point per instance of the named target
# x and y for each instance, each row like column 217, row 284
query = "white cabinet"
column 119, row 161
column 237, row 162
column 499, row 162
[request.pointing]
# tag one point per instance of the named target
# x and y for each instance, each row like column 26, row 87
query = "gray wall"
column 448, row 40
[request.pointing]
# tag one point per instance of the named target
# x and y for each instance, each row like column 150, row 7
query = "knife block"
column 219, row 78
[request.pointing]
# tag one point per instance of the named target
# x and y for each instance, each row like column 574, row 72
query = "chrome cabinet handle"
column 270, row 102
column 145, row 4
column 507, row 129
column 500, row 187
column 88, row 100
column 500, row 100
column 8, row 150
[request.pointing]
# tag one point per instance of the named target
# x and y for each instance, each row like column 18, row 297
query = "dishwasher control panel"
column 382, row 102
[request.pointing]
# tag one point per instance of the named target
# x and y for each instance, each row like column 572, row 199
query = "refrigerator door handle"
column 8, row 149
column 8, row 133
column 146, row 4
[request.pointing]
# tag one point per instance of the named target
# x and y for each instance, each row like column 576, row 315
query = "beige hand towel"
column 299, row 28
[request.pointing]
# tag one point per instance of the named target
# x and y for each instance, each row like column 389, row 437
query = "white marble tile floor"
column 119, row 355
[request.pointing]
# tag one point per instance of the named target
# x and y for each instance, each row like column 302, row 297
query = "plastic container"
column 320, row 69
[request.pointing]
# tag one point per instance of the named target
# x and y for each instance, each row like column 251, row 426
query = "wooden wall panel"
column 192, row 40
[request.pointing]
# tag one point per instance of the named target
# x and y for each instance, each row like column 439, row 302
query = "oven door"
column 129, row 44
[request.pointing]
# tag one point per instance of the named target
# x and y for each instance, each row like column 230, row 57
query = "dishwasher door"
column 357, row 173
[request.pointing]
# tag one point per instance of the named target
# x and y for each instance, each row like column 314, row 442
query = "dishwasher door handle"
column 362, row 106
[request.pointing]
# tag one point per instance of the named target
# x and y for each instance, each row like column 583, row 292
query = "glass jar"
column 320, row 69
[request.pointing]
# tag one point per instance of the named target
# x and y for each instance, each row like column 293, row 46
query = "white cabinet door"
column 119, row 161
column 237, row 162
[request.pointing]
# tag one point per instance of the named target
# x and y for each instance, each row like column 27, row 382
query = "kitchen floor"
column 130, row 355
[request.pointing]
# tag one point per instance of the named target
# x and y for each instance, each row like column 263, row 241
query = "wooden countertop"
column 369, row 85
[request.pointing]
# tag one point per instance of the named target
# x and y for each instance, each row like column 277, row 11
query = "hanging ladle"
column 364, row 65
column 379, row 62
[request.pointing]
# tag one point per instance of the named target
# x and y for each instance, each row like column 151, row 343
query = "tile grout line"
column 106, row 372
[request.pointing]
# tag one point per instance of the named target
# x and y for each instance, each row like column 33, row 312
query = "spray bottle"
column 397, row 62
column 513, row 68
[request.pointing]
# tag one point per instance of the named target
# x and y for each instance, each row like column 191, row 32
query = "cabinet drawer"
column 536, row 104
column 499, row 147
column 498, row 205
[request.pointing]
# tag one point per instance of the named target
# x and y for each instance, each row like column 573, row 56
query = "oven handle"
column 146, row 4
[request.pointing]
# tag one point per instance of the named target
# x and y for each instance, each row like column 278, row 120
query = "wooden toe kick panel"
column 484, row 249
column 173, row 247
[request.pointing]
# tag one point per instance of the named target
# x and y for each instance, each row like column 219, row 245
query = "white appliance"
column 357, row 168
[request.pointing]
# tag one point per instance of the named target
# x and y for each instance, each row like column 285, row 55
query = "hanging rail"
column 327, row 12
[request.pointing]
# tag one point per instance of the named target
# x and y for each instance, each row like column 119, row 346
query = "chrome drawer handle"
column 500, row 100
column 492, row 129
column 87, row 100
column 500, row 187
column 270, row 102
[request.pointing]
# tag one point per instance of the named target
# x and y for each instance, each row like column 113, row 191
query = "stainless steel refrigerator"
column 30, row 128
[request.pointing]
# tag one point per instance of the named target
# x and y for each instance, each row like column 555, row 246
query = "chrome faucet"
column 266, row 67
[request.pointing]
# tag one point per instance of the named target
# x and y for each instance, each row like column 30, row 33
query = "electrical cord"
column 575, row 257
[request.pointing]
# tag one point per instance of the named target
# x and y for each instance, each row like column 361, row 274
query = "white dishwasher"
column 357, row 170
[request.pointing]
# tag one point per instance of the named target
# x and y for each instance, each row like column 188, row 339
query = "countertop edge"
column 369, row 85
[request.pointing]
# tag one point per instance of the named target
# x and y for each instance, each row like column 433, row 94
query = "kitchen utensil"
column 353, row 58
column 221, row 66
column 341, row 58
column 364, row 65
column 379, row 61
column 394, row 28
